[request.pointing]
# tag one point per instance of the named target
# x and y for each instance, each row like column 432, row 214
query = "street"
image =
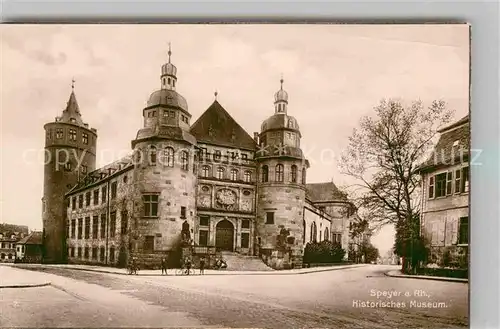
column 360, row 297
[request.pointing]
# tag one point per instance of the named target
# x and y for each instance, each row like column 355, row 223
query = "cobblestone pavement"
column 318, row 300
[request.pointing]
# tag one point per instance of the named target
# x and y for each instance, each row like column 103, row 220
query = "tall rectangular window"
column 111, row 255
column 85, row 138
column 72, row 135
column 270, row 218
column 59, row 133
column 79, row 252
column 80, row 201
column 73, row 203
column 80, row 228
column 102, row 254
column 112, row 224
column 449, row 182
column 87, row 227
column 86, row 253
column 103, row 194
column 458, row 180
column 95, row 226
column 441, row 185
column 203, row 238
column 245, row 240
column 431, row 187
column 149, row 243
column 150, row 205
column 114, row 187
column 94, row 253
column 68, row 226
column 103, row 226
column 465, row 179
column 463, row 238
column 217, row 155
column 124, row 222
column 183, row 212
column 87, row 199
column 73, row 228
column 96, row 197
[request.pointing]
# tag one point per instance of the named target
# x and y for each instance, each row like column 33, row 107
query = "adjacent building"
column 29, row 249
column 207, row 184
column 445, row 196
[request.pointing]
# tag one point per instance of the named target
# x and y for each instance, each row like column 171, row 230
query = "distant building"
column 208, row 184
column 29, row 248
column 8, row 240
column 445, row 196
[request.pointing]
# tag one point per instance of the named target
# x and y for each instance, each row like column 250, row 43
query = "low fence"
column 444, row 272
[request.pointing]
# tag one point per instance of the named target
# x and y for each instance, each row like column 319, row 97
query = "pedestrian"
column 202, row 265
column 188, row 266
column 164, row 266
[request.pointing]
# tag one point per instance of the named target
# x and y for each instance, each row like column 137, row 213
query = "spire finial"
column 73, row 84
column 281, row 81
column 169, row 52
column 215, row 94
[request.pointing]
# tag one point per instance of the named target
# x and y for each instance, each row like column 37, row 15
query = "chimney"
column 256, row 137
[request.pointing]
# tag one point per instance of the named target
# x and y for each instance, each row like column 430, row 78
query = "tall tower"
column 70, row 151
column 281, row 187
column 165, row 168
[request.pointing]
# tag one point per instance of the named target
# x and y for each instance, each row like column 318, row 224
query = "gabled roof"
column 452, row 146
column 216, row 126
column 322, row 192
column 33, row 238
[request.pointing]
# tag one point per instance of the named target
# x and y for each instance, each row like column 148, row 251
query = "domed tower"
column 70, row 151
column 281, row 187
column 164, row 158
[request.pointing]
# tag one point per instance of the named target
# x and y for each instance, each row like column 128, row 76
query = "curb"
column 33, row 285
column 422, row 277
column 210, row 274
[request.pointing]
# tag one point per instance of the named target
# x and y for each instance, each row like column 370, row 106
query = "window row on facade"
column 279, row 174
column 316, row 236
column 166, row 114
column 96, row 196
column 95, row 227
column 458, row 235
column 220, row 173
column 217, row 156
column 166, row 158
column 449, row 183
column 90, row 253
column 60, row 133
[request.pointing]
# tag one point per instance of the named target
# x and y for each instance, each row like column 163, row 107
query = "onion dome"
column 280, row 121
column 281, row 95
column 167, row 97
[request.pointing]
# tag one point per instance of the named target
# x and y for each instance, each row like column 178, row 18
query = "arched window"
column 248, row 176
column 303, row 175
column 152, row 155
column 314, row 232
column 220, row 173
column 265, row 174
column 205, row 170
column 169, row 156
column 279, row 173
column 327, row 235
column 234, row 174
column 184, row 160
column 293, row 174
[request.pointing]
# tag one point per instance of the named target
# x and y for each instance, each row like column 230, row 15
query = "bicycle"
column 132, row 269
column 184, row 271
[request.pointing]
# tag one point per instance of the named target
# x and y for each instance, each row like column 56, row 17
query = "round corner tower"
column 165, row 170
column 281, row 187
column 70, row 153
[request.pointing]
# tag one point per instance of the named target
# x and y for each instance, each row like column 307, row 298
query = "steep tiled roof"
column 318, row 192
column 452, row 147
column 104, row 172
column 33, row 238
column 216, row 126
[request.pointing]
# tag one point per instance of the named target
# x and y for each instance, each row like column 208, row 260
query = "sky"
column 334, row 75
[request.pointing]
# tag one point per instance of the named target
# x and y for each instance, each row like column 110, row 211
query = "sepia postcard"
column 235, row 176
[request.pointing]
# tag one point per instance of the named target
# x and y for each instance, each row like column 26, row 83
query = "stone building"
column 8, row 240
column 29, row 248
column 208, row 184
column 445, row 196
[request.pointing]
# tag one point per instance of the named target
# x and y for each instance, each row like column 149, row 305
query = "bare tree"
column 383, row 156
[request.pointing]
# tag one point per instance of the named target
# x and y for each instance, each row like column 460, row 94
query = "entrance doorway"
column 224, row 236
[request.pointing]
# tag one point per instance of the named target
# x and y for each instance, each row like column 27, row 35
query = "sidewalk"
column 122, row 271
column 398, row 274
column 11, row 277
